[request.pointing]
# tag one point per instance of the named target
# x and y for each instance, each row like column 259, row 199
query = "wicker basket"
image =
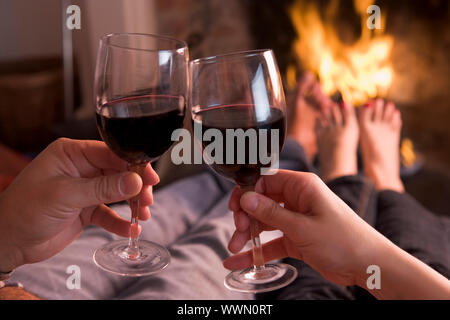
column 31, row 101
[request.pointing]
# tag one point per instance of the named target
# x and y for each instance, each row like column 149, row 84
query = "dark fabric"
column 415, row 229
column 309, row 285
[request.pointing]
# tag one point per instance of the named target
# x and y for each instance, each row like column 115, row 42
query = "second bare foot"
column 337, row 136
column 380, row 124
column 302, row 127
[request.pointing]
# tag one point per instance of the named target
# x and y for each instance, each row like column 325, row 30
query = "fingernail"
column 127, row 184
column 249, row 201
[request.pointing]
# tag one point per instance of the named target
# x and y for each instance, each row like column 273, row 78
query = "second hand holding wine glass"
column 242, row 92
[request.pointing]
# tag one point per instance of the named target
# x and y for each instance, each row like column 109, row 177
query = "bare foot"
column 380, row 126
column 301, row 128
column 337, row 137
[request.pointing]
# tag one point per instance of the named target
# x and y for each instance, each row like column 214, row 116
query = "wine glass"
column 140, row 98
column 239, row 116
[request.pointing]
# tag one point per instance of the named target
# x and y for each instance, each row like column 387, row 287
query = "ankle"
column 396, row 186
column 385, row 181
column 339, row 169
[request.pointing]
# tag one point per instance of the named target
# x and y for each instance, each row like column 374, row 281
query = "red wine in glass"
column 139, row 129
column 243, row 117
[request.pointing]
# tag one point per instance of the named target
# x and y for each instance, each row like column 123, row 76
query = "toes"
column 378, row 110
column 336, row 115
column 348, row 113
column 389, row 110
column 365, row 113
column 305, row 83
column 322, row 122
column 318, row 128
column 316, row 98
column 324, row 117
column 396, row 120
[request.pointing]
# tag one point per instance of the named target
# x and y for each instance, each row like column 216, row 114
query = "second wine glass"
column 238, row 107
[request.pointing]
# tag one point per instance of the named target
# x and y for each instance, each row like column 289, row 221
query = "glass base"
column 113, row 257
column 268, row 278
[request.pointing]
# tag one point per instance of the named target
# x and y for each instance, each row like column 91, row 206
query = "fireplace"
column 409, row 57
column 406, row 61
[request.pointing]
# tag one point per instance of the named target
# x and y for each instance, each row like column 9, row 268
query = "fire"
column 359, row 71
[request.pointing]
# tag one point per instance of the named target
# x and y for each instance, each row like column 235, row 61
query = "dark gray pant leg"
column 416, row 230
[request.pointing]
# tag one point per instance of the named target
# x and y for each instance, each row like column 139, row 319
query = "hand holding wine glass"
column 238, row 98
column 75, row 179
column 310, row 211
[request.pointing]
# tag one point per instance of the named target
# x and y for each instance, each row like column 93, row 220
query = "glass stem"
column 258, row 257
column 133, row 241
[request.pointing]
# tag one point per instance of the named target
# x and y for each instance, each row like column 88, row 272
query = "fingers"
column 88, row 157
column 150, row 177
column 233, row 203
column 273, row 250
column 241, row 220
column 238, row 240
column 92, row 158
column 270, row 212
column 144, row 213
column 235, row 206
column 109, row 220
column 298, row 190
column 145, row 200
column 86, row 192
column 146, row 196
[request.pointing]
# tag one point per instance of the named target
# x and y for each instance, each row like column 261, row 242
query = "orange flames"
column 359, row 71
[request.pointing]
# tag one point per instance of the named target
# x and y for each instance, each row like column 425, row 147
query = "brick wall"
column 209, row 26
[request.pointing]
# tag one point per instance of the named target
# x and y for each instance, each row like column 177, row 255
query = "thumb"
column 271, row 213
column 87, row 192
